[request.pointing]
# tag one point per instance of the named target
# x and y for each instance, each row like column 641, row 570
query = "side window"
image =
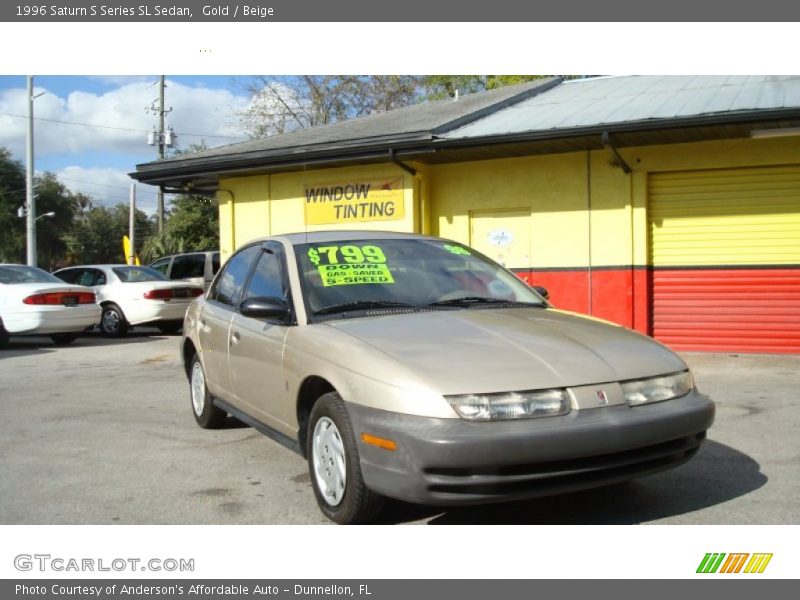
column 68, row 275
column 161, row 265
column 98, row 277
column 188, row 265
column 267, row 280
column 214, row 263
column 228, row 286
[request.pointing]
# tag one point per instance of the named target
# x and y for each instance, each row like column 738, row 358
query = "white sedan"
column 33, row 302
column 132, row 295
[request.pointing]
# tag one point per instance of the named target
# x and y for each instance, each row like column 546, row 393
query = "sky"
column 92, row 131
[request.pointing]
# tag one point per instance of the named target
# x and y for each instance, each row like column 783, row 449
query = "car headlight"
column 656, row 389
column 511, row 405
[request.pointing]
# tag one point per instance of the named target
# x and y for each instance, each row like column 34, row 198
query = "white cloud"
column 117, row 119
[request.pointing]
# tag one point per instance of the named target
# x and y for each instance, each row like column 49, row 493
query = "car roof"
column 184, row 254
column 107, row 266
column 315, row 237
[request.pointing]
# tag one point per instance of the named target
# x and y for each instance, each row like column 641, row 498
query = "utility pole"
column 131, row 260
column 163, row 138
column 160, row 150
column 30, row 198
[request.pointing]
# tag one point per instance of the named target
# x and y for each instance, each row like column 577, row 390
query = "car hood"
column 479, row 351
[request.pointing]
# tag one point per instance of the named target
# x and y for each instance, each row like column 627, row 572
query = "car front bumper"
column 452, row 461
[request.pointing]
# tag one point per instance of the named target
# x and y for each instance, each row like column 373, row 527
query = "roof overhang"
column 202, row 174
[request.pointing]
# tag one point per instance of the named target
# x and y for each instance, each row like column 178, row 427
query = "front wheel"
column 112, row 321
column 206, row 413
column 334, row 465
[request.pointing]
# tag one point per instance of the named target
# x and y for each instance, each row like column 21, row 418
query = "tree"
column 97, row 235
column 192, row 223
column 195, row 220
column 280, row 105
column 437, row 87
column 12, row 196
column 161, row 244
column 283, row 104
column 52, row 233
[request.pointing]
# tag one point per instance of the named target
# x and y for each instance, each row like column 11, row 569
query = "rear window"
column 133, row 274
column 188, row 265
column 11, row 274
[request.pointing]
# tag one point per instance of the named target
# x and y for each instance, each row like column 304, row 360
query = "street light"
column 47, row 214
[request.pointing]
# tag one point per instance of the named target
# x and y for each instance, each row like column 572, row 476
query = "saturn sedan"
column 132, row 295
column 33, row 302
column 413, row 367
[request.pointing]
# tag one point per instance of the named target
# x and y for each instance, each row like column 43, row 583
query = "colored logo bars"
column 733, row 563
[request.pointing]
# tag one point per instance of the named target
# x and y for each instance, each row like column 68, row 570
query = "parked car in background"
column 416, row 368
column 132, row 295
column 33, row 302
column 197, row 267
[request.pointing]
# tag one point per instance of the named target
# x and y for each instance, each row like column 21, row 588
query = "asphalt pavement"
column 101, row 432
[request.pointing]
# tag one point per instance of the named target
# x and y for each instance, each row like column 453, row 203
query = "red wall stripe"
column 716, row 309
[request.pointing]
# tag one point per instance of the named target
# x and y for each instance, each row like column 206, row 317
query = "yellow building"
column 668, row 204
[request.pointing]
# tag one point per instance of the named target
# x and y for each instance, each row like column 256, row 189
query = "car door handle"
column 235, row 337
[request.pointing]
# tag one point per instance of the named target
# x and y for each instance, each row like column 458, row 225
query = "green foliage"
column 96, row 237
column 12, row 196
column 161, row 244
column 195, row 221
column 437, row 87
column 52, row 233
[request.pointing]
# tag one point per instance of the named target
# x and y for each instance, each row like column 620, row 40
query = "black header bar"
column 462, row 11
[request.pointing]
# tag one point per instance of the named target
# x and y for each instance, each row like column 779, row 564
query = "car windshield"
column 342, row 276
column 133, row 274
column 11, row 274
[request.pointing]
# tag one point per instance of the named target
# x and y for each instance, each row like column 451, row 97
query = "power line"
column 76, row 123
column 108, row 185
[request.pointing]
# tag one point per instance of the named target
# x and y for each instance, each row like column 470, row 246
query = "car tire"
column 334, row 465
column 112, row 321
column 63, row 339
column 206, row 413
column 3, row 335
column 170, row 327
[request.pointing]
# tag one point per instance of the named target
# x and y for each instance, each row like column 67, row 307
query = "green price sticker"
column 353, row 255
column 353, row 274
column 457, row 250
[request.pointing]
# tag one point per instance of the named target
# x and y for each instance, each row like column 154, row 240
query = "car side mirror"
column 542, row 291
column 261, row 307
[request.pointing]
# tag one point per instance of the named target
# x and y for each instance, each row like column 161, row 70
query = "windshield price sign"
column 350, row 265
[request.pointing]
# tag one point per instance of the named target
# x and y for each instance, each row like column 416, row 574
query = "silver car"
column 413, row 367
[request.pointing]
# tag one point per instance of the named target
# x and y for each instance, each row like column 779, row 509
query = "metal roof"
column 584, row 103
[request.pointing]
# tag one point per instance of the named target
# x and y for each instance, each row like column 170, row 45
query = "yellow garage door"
column 725, row 252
